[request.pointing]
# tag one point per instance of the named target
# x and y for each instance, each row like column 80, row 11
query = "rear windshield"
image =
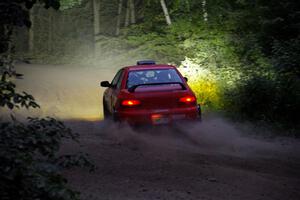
column 152, row 76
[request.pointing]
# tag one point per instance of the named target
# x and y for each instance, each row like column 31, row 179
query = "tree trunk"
column 96, row 12
column 8, row 32
column 31, row 32
column 166, row 12
column 6, row 55
column 132, row 11
column 127, row 14
column 50, row 32
column 119, row 17
column 96, row 7
column 204, row 10
column 188, row 6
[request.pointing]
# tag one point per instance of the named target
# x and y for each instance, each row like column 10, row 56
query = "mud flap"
column 199, row 112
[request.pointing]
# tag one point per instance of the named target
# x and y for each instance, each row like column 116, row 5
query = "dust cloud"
column 66, row 92
column 213, row 136
column 72, row 93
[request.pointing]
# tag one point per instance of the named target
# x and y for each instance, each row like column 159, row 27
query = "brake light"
column 130, row 102
column 188, row 99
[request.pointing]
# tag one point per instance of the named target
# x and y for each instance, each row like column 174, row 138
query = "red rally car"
column 148, row 93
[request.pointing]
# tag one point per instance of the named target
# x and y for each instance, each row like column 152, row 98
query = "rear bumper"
column 157, row 116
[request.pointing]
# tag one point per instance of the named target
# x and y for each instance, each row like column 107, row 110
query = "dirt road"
column 209, row 161
column 64, row 91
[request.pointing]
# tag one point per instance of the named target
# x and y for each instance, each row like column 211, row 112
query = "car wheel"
column 115, row 117
column 106, row 113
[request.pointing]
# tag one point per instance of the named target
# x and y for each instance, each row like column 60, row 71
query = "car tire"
column 106, row 113
column 115, row 117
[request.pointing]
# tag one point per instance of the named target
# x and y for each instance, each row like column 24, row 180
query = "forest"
column 242, row 58
column 244, row 53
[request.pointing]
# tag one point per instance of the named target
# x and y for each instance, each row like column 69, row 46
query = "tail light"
column 187, row 99
column 130, row 102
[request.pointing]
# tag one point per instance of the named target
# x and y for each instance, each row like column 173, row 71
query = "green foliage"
column 67, row 4
column 286, row 56
column 268, row 100
column 248, row 96
column 30, row 163
column 11, row 99
column 30, row 160
column 29, row 152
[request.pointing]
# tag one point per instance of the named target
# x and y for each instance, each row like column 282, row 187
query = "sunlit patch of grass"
column 207, row 92
column 207, row 84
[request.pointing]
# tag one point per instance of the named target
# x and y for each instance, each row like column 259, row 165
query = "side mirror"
column 186, row 79
column 105, row 84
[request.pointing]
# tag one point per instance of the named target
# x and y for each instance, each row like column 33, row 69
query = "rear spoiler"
column 132, row 88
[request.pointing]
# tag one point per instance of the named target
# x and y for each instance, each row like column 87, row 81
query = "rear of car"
column 154, row 94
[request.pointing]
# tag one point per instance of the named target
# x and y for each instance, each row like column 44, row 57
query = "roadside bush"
column 287, row 107
column 273, row 101
column 252, row 98
column 286, row 56
column 30, row 161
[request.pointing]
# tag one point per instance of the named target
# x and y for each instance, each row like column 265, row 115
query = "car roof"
column 145, row 67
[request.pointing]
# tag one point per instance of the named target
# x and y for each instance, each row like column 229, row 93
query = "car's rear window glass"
column 152, row 76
